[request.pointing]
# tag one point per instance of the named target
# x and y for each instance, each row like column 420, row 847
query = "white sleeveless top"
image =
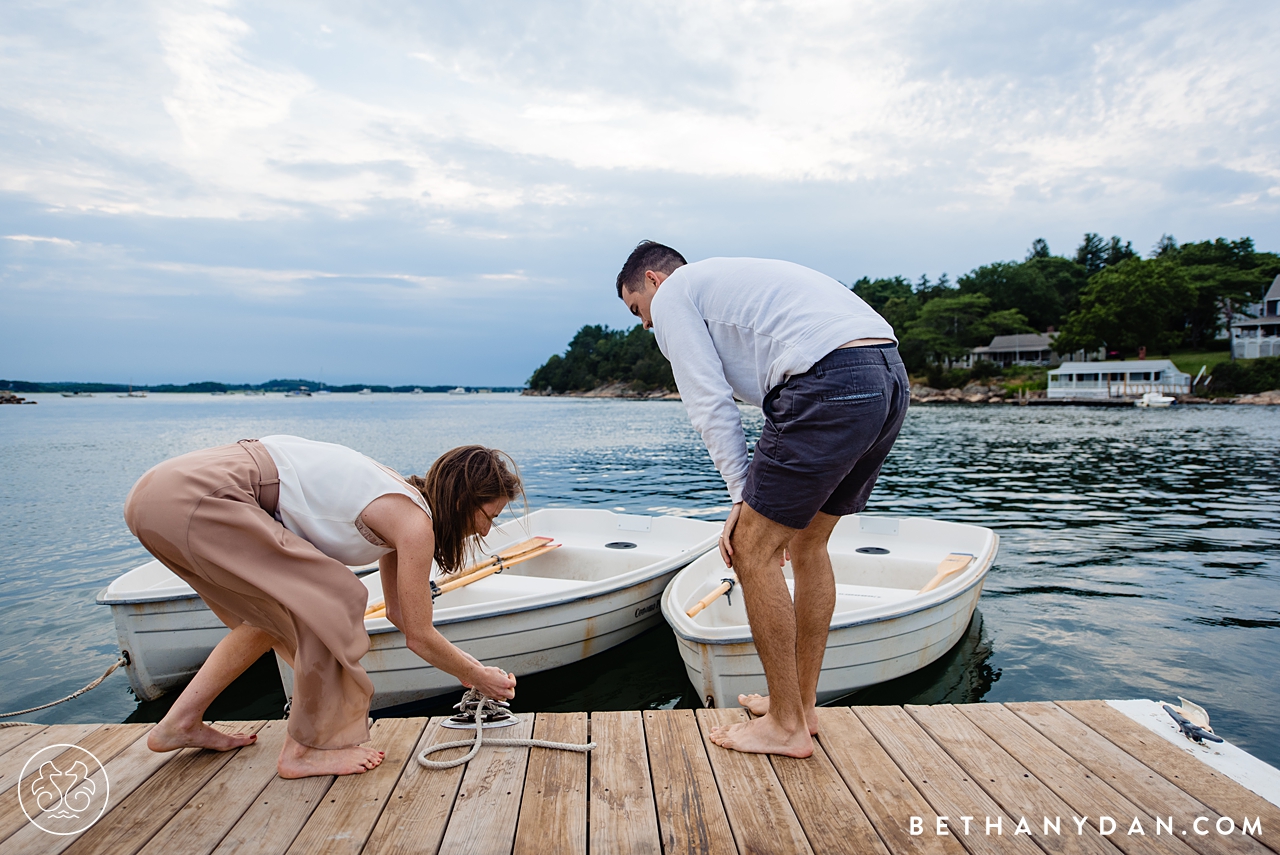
column 323, row 489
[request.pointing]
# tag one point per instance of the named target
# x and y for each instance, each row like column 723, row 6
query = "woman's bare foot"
column 172, row 735
column 762, row 736
column 301, row 761
column 758, row 705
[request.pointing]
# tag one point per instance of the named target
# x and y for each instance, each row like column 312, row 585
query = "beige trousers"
column 208, row 517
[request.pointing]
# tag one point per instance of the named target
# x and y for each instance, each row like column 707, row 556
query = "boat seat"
column 861, row 596
column 504, row 585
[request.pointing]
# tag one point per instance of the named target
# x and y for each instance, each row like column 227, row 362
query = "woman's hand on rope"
column 494, row 683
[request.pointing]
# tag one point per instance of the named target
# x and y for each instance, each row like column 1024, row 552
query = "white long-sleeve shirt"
column 741, row 326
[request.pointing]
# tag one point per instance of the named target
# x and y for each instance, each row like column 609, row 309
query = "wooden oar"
column 949, row 566
column 453, row 584
column 723, row 588
column 505, row 555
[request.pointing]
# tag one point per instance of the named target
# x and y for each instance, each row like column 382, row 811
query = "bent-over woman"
column 264, row 529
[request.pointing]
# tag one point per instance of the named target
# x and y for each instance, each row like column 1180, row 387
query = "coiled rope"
column 123, row 660
column 478, row 706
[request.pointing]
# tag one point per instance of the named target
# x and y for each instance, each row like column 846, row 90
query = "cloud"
column 441, row 165
column 37, row 239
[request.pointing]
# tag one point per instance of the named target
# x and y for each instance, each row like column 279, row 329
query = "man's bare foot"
column 758, row 705
column 170, row 736
column 762, row 736
column 301, row 761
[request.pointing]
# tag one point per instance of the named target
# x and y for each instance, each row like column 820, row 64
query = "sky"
column 438, row 193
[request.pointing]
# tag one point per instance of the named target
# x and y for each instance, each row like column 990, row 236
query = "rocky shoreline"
column 974, row 393
column 609, row 390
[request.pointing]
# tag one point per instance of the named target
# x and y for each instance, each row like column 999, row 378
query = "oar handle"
column 721, row 589
column 503, row 559
column 949, row 566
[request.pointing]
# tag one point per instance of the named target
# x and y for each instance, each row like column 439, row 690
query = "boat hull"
column 163, row 627
column 166, row 642
column 526, row 642
column 857, row 656
column 880, row 631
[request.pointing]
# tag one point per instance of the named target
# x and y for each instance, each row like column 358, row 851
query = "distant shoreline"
column 205, row 387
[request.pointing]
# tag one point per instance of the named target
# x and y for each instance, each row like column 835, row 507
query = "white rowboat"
column 598, row 589
column 883, row 626
column 164, row 627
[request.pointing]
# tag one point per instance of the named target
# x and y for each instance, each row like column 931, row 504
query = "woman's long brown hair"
column 458, row 483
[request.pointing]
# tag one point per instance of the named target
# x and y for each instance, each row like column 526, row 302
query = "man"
column 825, row 369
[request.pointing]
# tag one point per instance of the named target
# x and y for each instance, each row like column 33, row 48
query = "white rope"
column 478, row 705
column 105, row 674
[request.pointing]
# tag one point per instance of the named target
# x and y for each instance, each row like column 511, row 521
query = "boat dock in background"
column 883, row 780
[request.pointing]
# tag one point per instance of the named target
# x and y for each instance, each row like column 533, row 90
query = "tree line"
column 1105, row 295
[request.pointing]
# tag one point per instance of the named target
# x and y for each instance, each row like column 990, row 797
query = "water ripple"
column 1140, row 551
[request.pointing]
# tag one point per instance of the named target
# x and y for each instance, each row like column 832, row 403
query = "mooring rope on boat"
column 481, row 707
column 123, row 660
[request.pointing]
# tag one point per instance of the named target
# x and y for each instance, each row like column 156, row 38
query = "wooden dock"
column 655, row 784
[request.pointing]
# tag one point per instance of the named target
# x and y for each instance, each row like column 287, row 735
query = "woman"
column 263, row 530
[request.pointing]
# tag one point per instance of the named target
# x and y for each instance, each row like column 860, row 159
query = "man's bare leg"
column 815, row 601
column 757, row 550
column 183, row 726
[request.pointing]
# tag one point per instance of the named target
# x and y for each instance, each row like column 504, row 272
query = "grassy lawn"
column 1190, row 361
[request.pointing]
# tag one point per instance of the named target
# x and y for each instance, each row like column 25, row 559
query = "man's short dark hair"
column 647, row 256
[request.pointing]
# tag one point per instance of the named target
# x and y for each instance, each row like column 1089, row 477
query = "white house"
column 1260, row 336
column 1128, row 379
column 1025, row 349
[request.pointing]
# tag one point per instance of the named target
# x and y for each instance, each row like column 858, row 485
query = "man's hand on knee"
column 726, row 544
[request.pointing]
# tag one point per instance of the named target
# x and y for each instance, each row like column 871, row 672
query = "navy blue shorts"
column 826, row 434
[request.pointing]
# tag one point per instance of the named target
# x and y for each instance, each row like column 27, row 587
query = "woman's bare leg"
column 183, row 726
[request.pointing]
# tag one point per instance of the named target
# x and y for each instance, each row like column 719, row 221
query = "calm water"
column 1140, row 551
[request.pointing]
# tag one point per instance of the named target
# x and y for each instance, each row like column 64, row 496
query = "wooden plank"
column 1197, row 779
column 419, row 807
column 488, row 804
column 830, row 815
column 1008, row 782
column 61, row 734
column 759, row 814
column 343, row 820
column 1144, row 787
column 105, row 742
column 207, row 817
column 12, row 737
column 1083, row 791
column 691, row 817
column 948, row 788
column 882, row 790
column 553, row 807
column 139, row 816
column 276, row 816
column 623, row 817
column 126, row 772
